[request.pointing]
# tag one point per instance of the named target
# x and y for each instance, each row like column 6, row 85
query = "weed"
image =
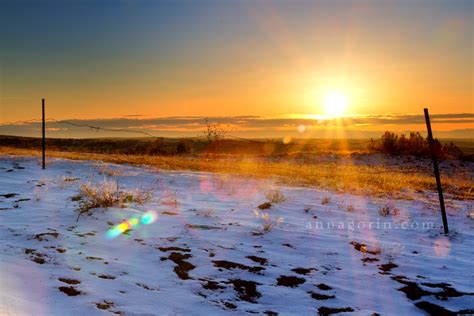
column 326, row 200
column 268, row 223
column 388, row 209
column 350, row 208
column 39, row 191
column 105, row 169
column 107, row 194
column 275, row 196
column 206, row 213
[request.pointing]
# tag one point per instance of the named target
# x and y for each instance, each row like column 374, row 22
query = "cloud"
column 195, row 125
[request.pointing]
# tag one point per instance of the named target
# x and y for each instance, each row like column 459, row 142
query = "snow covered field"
column 208, row 253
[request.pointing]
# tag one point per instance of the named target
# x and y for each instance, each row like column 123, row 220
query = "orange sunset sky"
column 163, row 66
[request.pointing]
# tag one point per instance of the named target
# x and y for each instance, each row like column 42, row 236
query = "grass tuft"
column 107, row 194
column 388, row 209
column 275, row 196
column 326, row 200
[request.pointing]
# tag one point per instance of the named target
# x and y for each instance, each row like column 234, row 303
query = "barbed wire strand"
column 99, row 128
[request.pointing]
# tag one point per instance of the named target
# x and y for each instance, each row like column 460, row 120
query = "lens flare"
column 148, row 218
column 134, row 222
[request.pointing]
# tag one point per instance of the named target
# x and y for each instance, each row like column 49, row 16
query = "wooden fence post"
column 436, row 172
column 44, row 136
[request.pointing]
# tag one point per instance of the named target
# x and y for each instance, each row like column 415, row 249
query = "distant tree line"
column 415, row 144
column 158, row 146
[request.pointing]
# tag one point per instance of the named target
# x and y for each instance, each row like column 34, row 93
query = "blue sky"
column 106, row 59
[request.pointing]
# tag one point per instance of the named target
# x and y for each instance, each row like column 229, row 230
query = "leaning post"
column 436, row 172
column 44, row 135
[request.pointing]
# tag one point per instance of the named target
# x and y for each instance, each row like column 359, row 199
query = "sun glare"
column 335, row 104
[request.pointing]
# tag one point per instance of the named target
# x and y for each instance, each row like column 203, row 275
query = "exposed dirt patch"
column 290, row 281
column 44, row 236
column 363, row 248
column 387, row 267
column 234, row 265
column 69, row 281
column 303, row 271
column 69, row 290
column 246, row 290
column 38, row 260
column 76, row 198
column 414, row 292
column 104, row 304
column 146, row 287
column 433, row 309
column 324, row 287
column 93, row 258
column 229, row 305
column 165, row 249
column 448, row 291
column 85, row 234
column 324, row 311
column 61, row 250
column 8, row 195
column 169, row 213
column 411, row 289
column 320, row 297
column 29, row 251
column 106, row 276
column 212, row 285
column 182, row 266
column 201, row 227
column 265, row 206
column 369, row 259
column 260, row 260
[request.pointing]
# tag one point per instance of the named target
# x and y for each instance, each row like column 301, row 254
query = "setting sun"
column 335, row 104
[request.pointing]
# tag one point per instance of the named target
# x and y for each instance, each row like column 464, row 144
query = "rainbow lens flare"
column 148, row 218
column 134, row 222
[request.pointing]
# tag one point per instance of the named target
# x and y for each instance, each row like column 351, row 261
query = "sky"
column 142, row 62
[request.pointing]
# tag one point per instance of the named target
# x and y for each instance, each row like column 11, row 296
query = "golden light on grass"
column 335, row 104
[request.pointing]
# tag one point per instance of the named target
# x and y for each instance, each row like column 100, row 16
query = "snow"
column 216, row 225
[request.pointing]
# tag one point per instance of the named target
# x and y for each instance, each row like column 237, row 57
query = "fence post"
column 436, row 172
column 44, row 136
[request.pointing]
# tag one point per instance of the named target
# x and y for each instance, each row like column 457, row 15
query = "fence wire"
column 124, row 130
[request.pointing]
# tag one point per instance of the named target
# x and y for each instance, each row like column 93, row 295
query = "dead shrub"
column 326, row 200
column 267, row 222
column 107, row 194
column 275, row 196
column 388, row 209
column 350, row 208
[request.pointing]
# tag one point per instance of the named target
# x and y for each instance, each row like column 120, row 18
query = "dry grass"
column 275, row 196
column 388, row 209
column 206, row 213
column 268, row 223
column 326, row 200
column 362, row 179
column 107, row 194
column 350, row 208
